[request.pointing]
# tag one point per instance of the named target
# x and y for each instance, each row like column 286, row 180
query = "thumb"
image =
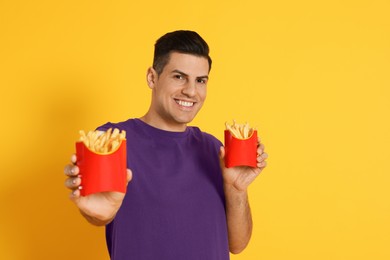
column 129, row 176
column 221, row 153
column 222, row 157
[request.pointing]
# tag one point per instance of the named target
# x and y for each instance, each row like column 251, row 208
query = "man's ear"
column 151, row 77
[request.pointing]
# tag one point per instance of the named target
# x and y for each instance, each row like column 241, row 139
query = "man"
column 181, row 201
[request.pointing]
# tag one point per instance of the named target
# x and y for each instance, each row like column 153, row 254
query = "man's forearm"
column 239, row 219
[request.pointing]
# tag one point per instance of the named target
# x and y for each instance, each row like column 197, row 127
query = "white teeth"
column 185, row 103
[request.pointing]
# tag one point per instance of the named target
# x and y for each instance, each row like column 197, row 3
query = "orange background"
column 312, row 76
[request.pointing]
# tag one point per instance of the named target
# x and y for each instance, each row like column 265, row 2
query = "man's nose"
column 189, row 89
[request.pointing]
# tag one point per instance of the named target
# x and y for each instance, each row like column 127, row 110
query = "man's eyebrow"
column 203, row 77
column 185, row 74
column 180, row 72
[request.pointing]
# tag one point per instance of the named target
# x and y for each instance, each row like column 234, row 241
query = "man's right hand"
column 98, row 208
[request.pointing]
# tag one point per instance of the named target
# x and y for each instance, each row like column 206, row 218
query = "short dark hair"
column 181, row 41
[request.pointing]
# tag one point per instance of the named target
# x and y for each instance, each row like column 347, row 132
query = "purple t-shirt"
column 174, row 207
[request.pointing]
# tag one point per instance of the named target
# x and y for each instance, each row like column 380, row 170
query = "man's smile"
column 184, row 103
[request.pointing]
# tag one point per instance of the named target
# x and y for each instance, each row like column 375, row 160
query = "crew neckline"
column 160, row 132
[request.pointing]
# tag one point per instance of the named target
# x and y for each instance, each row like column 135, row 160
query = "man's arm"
column 238, row 214
column 239, row 219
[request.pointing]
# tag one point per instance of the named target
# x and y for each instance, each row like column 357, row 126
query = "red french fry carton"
column 102, row 172
column 240, row 152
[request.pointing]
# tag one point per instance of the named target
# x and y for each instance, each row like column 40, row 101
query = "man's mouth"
column 184, row 103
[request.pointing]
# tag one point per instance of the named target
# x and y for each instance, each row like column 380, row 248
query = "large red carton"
column 102, row 172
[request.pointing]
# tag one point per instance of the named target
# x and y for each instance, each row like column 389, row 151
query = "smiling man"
column 181, row 201
column 178, row 91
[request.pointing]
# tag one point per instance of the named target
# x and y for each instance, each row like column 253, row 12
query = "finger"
column 75, row 195
column 73, row 183
column 71, row 170
column 262, row 165
column 73, row 158
column 261, row 146
column 260, row 149
column 262, row 157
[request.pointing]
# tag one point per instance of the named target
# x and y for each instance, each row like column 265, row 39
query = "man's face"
column 179, row 91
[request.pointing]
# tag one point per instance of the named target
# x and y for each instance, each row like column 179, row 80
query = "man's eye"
column 202, row 81
column 178, row 77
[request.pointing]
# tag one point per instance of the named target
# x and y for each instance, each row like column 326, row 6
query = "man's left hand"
column 240, row 177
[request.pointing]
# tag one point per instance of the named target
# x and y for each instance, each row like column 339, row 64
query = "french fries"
column 240, row 131
column 102, row 142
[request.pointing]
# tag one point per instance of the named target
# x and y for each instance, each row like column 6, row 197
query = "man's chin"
column 185, row 119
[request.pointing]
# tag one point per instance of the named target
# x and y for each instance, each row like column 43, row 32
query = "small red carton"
column 240, row 152
column 102, row 172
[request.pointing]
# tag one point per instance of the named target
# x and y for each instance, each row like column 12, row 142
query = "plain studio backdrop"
column 311, row 76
